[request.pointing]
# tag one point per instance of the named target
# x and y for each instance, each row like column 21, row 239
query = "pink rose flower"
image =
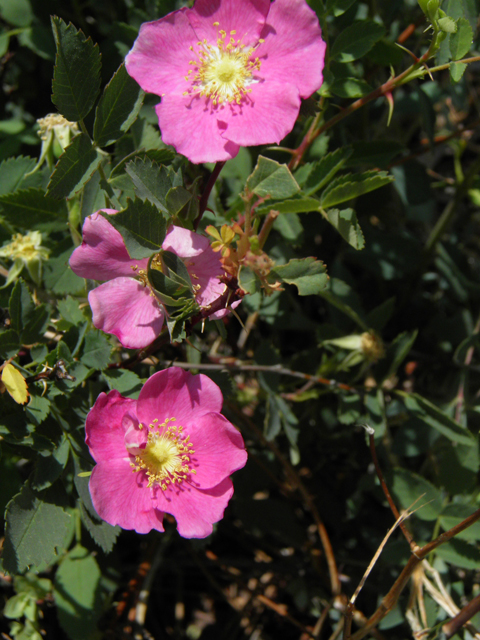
column 231, row 73
column 125, row 305
column 170, row 451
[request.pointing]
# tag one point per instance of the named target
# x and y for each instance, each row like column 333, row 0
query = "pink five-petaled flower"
column 231, row 73
column 125, row 304
column 170, row 451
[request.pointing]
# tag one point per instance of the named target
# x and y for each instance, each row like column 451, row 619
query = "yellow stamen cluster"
column 166, row 456
column 223, row 71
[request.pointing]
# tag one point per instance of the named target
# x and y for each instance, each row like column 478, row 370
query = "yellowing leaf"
column 15, row 384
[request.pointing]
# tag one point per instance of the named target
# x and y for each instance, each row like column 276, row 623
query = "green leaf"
column 50, row 465
column 77, row 594
column 152, row 181
column 270, row 178
column 142, row 226
column 351, row 186
column 18, row 13
column 447, row 24
column 32, row 209
column 20, row 306
column 436, row 418
column 74, row 168
column 76, row 78
column 177, row 199
column 324, row 170
column 37, row 325
column 123, row 380
column 453, row 514
column 36, row 527
column 356, row 40
column 307, row 274
column 102, row 533
column 457, row 69
column 70, row 311
column 96, row 350
column 289, row 227
column 297, row 204
column 247, row 280
column 346, row 223
column 460, row 554
column 407, row 486
column 350, row 88
column 9, row 344
column 13, row 171
column 118, row 108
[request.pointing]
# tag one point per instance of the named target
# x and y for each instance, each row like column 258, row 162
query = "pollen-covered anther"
column 223, row 71
column 166, row 456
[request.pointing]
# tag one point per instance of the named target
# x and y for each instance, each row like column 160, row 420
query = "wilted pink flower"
column 231, row 73
column 125, row 304
column 170, row 451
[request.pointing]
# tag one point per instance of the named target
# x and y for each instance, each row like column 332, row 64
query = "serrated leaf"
column 351, row 186
column 270, row 178
column 142, row 226
column 77, row 595
column 447, row 24
column 436, row 418
column 36, row 526
column 247, row 280
column 96, row 350
column 102, row 533
column 356, row 40
column 297, row 204
column 324, row 170
column 118, row 108
column 408, row 487
column 20, row 306
column 76, row 79
column 74, row 168
column 152, row 181
column 346, row 223
column 177, row 199
column 36, row 326
column 453, row 514
column 457, row 69
column 15, row 384
column 13, row 171
column 460, row 553
column 289, row 227
column 32, row 209
column 307, row 274
column 49, row 466
column 376, row 153
column 9, row 344
column 123, row 380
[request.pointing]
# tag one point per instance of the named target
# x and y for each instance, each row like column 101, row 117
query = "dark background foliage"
column 403, row 268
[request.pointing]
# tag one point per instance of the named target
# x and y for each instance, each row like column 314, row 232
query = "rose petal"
column 102, row 254
column 219, row 450
column 120, row 497
column 125, row 308
column 194, row 510
column 293, row 52
column 104, row 428
column 175, row 393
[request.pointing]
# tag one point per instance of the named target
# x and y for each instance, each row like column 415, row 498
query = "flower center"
column 223, row 71
column 166, row 456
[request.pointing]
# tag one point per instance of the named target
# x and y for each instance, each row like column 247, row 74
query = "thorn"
column 389, row 98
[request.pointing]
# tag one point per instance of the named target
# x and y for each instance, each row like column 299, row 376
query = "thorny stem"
column 235, row 365
column 267, row 227
column 206, row 192
column 416, row 70
column 413, row 545
column 390, row 600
